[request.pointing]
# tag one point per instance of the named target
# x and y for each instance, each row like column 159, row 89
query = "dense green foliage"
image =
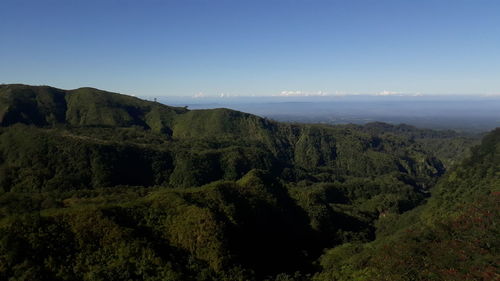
column 89, row 138
column 453, row 237
column 101, row 186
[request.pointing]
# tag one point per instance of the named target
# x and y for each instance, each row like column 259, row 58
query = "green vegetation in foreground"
column 101, row 186
column 452, row 237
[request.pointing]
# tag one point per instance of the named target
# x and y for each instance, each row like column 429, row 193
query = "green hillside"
column 452, row 237
column 211, row 144
column 101, row 186
column 46, row 106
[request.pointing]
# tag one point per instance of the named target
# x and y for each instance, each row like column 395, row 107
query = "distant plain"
column 463, row 113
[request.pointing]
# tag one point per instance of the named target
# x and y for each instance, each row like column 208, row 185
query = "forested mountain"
column 101, row 138
column 452, row 237
column 101, row 186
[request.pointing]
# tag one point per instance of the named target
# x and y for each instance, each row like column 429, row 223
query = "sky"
column 269, row 47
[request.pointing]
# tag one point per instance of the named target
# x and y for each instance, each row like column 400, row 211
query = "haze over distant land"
column 459, row 112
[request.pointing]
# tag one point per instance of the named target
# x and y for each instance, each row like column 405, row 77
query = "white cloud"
column 388, row 93
column 199, row 95
column 301, row 93
column 290, row 93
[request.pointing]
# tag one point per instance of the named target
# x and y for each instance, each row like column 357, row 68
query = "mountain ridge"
column 340, row 150
column 100, row 186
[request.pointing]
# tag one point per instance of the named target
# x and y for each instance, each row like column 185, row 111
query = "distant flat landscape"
column 461, row 113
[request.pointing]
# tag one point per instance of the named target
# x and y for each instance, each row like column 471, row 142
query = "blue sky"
column 166, row 48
